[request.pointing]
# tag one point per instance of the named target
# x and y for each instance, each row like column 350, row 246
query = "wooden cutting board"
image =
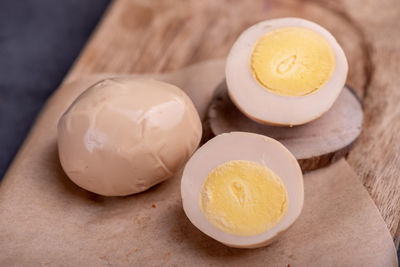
column 157, row 36
column 45, row 219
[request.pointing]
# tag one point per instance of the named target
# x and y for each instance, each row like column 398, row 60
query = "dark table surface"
column 39, row 41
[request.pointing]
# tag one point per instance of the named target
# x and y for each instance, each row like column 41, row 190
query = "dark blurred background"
column 39, row 41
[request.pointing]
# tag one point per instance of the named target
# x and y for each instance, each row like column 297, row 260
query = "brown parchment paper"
column 45, row 219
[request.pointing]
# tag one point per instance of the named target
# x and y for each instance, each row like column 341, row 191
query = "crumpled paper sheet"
column 45, row 219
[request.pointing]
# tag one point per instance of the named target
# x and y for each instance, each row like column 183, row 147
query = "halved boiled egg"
column 286, row 71
column 242, row 189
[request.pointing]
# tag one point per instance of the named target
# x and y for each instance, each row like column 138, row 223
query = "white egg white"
column 242, row 146
column 267, row 107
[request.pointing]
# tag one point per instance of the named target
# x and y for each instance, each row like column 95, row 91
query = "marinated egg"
column 286, row 71
column 242, row 189
column 124, row 135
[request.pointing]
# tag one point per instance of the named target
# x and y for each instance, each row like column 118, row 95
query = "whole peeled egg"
column 124, row 135
column 242, row 189
column 286, row 71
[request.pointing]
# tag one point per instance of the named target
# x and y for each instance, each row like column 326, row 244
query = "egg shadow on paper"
column 184, row 232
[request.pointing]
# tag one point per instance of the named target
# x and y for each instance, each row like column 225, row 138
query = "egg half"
column 286, row 71
column 242, row 189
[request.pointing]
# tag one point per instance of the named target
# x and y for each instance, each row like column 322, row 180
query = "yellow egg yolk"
column 292, row 61
column 243, row 198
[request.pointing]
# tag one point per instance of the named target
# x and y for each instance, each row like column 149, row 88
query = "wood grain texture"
column 315, row 145
column 157, row 36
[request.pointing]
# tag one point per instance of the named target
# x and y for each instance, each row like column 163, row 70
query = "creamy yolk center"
column 243, row 198
column 292, row 61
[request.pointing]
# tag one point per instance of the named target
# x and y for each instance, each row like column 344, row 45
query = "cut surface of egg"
column 243, row 198
column 242, row 189
column 285, row 71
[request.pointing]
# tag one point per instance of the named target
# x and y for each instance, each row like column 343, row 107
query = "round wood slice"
column 314, row 145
